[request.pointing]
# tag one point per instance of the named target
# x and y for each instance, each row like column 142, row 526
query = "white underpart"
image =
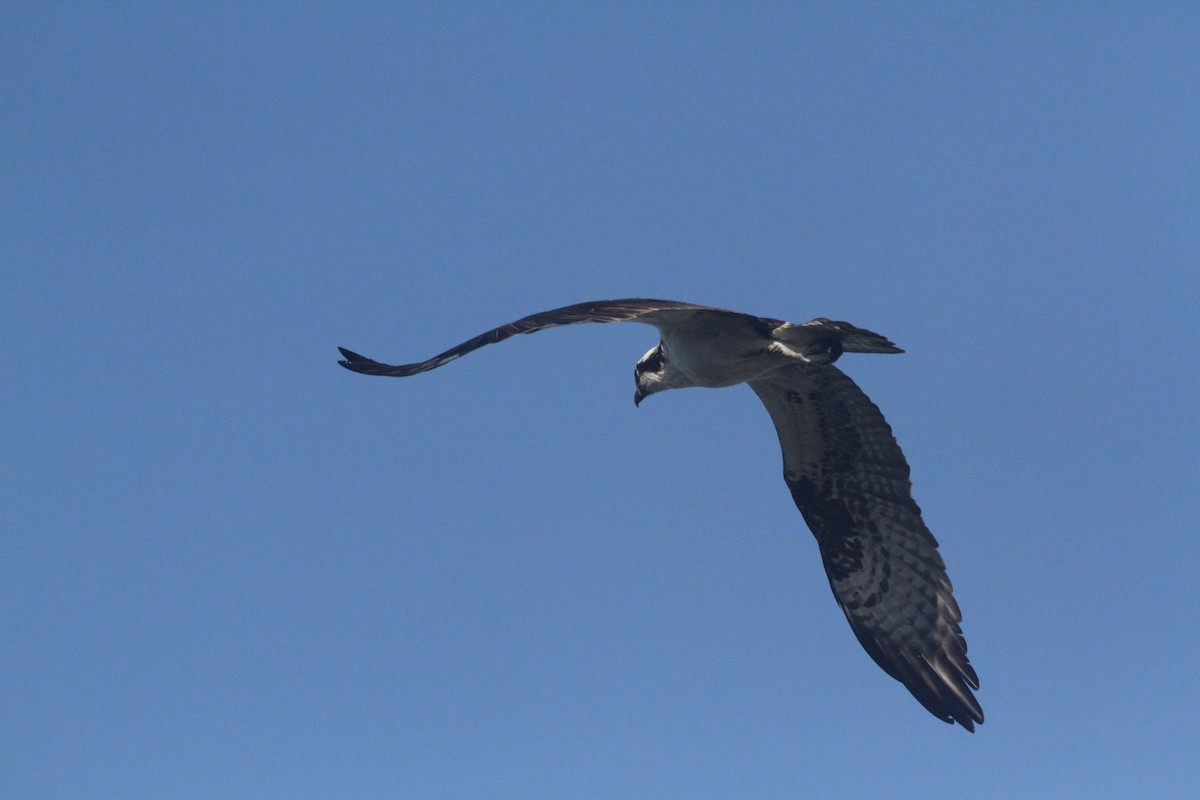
column 714, row 354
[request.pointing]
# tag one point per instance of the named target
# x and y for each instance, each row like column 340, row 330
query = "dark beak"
column 638, row 397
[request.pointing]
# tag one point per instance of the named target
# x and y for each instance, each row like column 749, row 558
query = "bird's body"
column 842, row 465
column 717, row 350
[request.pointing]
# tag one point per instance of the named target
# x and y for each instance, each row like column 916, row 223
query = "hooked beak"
column 638, row 397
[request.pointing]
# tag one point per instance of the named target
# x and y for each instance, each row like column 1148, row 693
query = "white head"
column 655, row 373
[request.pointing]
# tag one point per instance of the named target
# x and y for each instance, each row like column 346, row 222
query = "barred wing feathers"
column 850, row 480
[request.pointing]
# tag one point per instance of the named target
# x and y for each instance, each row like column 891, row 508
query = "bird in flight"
column 841, row 462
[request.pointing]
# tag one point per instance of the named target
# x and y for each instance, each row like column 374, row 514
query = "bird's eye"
column 651, row 363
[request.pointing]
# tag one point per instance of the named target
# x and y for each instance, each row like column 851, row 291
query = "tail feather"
column 822, row 333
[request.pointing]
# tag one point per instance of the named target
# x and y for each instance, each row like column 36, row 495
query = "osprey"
column 841, row 462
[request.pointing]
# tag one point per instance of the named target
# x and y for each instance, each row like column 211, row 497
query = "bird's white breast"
column 721, row 352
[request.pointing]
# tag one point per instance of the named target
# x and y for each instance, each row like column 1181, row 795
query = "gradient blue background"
column 232, row 569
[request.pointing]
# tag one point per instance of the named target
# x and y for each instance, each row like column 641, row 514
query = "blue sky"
column 233, row 569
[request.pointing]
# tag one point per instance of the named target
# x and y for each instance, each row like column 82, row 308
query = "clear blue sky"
column 232, row 569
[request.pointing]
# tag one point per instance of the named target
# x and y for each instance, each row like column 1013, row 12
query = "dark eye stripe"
column 653, row 362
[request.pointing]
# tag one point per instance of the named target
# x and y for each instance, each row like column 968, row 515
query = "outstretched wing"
column 653, row 312
column 850, row 481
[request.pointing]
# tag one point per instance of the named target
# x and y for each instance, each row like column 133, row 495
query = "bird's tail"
column 822, row 331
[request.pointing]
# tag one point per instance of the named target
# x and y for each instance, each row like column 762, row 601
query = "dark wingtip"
column 353, row 361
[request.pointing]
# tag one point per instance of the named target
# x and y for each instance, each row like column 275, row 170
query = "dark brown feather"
column 629, row 310
column 849, row 478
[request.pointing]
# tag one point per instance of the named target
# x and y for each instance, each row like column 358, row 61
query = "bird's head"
column 650, row 374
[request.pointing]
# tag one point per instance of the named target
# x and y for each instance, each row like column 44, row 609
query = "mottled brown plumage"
column 846, row 473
